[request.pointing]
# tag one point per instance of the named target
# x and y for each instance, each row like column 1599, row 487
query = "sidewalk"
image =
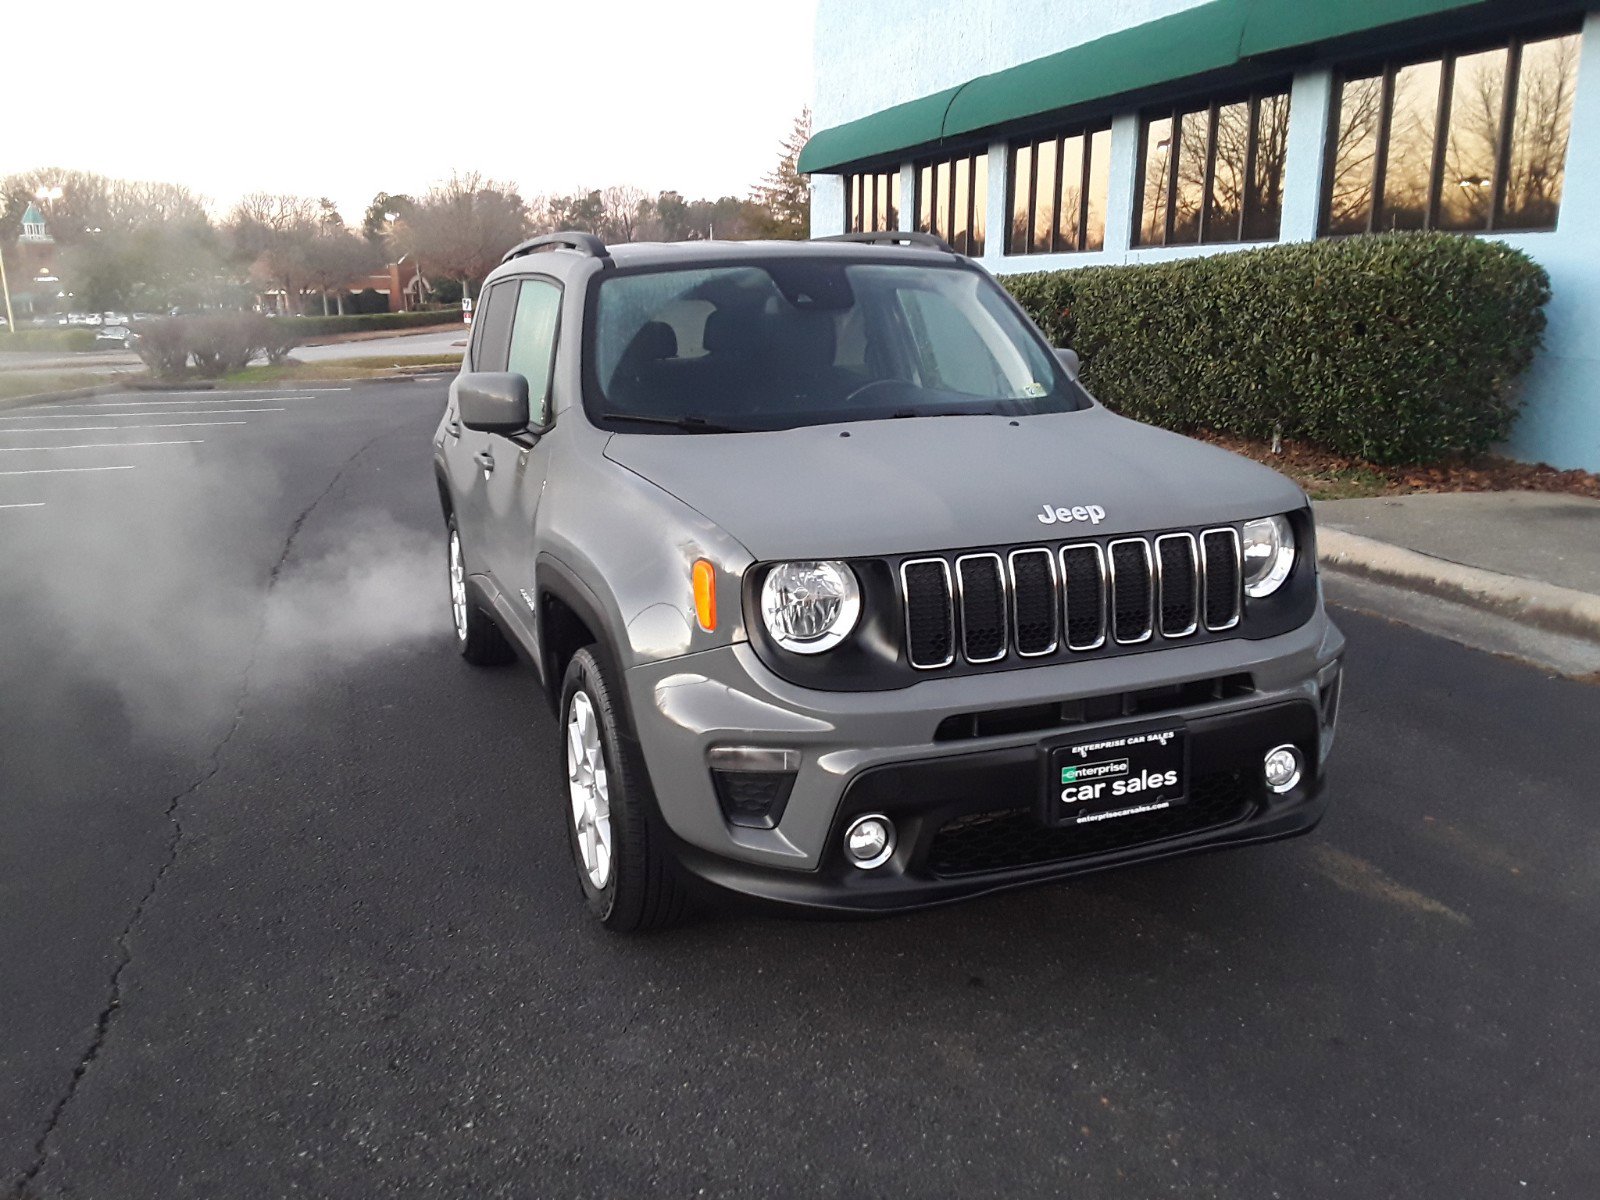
column 1531, row 556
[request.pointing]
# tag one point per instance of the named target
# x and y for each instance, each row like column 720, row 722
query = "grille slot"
column 1219, row 564
column 1178, row 570
column 981, row 585
column 930, row 615
column 1083, row 575
column 1035, row 612
column 1132, row 591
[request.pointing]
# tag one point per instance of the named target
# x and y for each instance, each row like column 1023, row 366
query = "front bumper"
column 963, row 807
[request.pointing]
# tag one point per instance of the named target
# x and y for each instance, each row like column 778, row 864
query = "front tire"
column 627, row 878
column 478, row 639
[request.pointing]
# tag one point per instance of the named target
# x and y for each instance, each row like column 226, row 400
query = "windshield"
column 794, row 342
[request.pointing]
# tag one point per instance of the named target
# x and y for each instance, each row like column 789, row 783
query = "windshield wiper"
column 912, row 412
column 692, row 423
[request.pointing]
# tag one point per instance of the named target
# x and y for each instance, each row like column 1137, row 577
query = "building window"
column 1461, row 141
column 952, row 200
column 872, row 202
column 1213, row 173
column 1058, row 190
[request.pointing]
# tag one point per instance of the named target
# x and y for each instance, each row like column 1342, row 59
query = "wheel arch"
column 570, row 617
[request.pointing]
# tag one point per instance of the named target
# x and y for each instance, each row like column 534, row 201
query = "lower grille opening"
column 1037, row 718
column 1013, row 837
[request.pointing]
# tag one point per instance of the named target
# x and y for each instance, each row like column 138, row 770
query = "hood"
column 878, row 488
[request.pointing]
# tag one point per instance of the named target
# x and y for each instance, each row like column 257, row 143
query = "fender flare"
column 555, row 578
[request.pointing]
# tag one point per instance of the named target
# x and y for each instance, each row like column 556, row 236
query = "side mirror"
column 492, row 401
column 1068, row 358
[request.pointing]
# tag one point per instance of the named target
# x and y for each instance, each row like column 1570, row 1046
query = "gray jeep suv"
column 847, row 595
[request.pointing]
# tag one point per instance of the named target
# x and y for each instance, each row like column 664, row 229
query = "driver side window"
column 533, row 343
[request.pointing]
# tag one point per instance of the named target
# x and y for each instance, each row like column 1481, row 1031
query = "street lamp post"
column 11, row 318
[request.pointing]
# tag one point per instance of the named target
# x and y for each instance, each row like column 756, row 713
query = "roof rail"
column 892, row 237
column 583, row 243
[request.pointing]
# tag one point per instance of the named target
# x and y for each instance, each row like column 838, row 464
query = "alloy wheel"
column 458, row 587
column 589, row 790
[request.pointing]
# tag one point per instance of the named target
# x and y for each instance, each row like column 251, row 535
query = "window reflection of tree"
column 1230, row 164
column 1158, row 165
column 1488, row 134
column 1542, row 122
column 1264, row 201
column 1413, row 130
column 1355, row 155
column 1477, row 99
column 1058, row 193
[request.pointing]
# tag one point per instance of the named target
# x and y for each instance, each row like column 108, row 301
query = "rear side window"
column 492, row 327
column 533, row 341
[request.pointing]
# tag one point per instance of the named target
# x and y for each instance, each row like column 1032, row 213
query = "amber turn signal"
column 705, row 594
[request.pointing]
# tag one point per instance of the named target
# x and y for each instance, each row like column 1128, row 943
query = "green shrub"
column 367, row 322
column 1399, row 348
column 47, row 339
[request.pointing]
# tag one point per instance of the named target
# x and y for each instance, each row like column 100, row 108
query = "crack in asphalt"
column 102, row 1025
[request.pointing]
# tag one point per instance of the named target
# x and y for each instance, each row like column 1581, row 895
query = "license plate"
column 1115, row 774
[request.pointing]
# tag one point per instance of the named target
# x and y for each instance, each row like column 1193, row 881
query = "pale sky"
column 286, row 96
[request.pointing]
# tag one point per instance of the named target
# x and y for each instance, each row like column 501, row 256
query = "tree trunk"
column 325, row 311
column 339, row 296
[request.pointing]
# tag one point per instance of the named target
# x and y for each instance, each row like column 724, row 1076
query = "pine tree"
column 784, row 195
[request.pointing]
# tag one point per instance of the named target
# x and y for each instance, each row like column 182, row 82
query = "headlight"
column 1268, row 555
column 810, row 607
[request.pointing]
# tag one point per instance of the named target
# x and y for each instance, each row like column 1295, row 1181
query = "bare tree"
column 623, row 208
column 271, row 232
column 463, row 227
column 335, row 259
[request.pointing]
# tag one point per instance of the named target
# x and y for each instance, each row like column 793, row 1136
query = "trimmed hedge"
column 48, row 339
column 1399, row 348
column 363, row 322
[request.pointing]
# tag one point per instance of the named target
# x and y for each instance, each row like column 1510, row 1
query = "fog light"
column 1282, row 768
column 869, row 842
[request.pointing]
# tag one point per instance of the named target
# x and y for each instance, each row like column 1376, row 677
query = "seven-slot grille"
column 1034, row 601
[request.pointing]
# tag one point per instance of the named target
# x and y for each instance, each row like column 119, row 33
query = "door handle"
column 453, row 427
column 485, row 460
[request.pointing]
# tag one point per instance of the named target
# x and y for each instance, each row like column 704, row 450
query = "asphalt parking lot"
column 286, row 906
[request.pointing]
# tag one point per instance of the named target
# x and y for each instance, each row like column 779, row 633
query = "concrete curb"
column 401, row 375
column 1543, row 605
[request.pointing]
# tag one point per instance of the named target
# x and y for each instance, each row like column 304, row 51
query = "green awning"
column 1214, row 36
column 1192, row 42
column 910, row 124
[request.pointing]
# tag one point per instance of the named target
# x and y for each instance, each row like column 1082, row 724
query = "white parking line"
column 174, row 412
column 64, row 470
column 103, row 428
column 143, row 403
column 35, row 504
column 100, row 445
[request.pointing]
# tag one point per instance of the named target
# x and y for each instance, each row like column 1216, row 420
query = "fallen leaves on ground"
column 1329, row 476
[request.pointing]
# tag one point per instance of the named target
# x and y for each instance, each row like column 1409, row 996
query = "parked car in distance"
column 113, row 337
column 849, row 596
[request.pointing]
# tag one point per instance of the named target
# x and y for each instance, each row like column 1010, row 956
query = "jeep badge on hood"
column 1092, row 513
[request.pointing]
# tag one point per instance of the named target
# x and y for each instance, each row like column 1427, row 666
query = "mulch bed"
column 1319, row 470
